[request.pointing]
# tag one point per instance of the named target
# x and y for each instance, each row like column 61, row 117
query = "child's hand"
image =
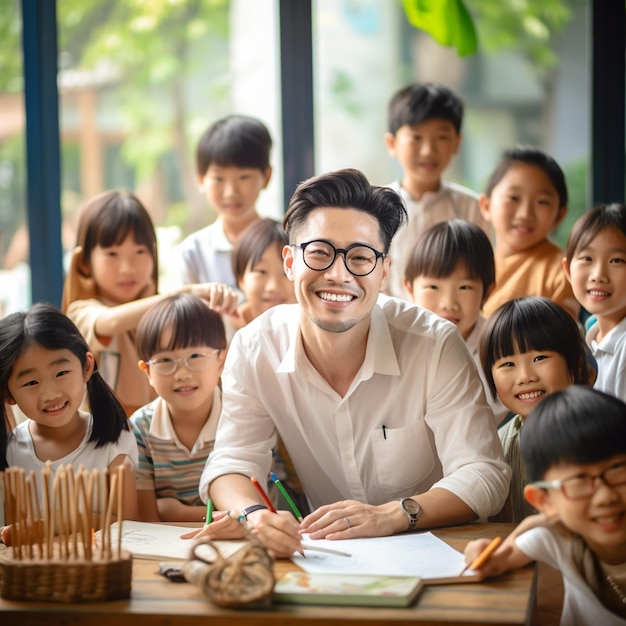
column 223, row 526
column 5, row 535
column 220, row 298
column 498, row 562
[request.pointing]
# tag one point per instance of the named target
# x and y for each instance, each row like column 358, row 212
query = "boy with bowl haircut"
column 424, row 134
column 574, row 448
column 233, row 167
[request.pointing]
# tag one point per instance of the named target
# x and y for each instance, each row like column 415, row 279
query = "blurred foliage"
column 527, row 26
column 150, row 48
column 577, row 177
column 447, row 21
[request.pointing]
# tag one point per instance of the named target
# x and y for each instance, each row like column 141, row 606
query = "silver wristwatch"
column 413, row 511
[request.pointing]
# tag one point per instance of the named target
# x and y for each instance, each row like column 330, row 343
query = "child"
column 424, row 134
column 233, row 166
column 525, row 200
column 182, row 345
column 574, row 448
column 258, row 268
column 450, row 271
column 595, row 265
column 530, row 347
column 45, row 366
column 113, row 281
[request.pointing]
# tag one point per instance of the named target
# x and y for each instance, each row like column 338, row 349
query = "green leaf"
column 447, row 21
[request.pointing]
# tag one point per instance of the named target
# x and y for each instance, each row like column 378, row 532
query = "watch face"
column 411, row 507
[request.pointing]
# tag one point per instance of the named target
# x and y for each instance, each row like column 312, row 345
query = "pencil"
column 267, row 501
column 290, row 502
column 209, row 511
column 483, row 557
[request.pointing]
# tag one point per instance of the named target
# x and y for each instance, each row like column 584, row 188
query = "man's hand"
column 278, row 532
column 349, row 519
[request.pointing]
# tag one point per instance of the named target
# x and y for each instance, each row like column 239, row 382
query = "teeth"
column 598, row 294
column 334, row 297
column 530, row 395
column 55, row 408
column 608, row 519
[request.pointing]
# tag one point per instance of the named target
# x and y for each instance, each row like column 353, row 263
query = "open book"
column 347, row 589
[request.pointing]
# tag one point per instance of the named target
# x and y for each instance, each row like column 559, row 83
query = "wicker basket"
column 74, row 580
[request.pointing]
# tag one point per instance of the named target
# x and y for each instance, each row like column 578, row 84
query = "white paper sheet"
column 161, row 541
column 419, row 554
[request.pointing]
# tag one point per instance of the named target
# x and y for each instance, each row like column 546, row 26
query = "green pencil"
column 209, row 511
column 290, row 502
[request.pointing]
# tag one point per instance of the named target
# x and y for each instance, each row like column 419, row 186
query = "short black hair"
column 235, row 140
column 440, row 248
column 191, row 321
column 530, row 156
column 533, row 323
column 419, row 103
column 254, row 241
column 579, row 425
column 346, row 189
column 591, row 223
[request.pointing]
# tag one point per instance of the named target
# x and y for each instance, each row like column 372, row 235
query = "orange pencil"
column 267, row 501
column 482, row 558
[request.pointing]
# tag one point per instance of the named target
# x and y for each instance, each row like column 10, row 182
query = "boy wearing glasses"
column 378, row 402
column 574, row 448
column 182, row 345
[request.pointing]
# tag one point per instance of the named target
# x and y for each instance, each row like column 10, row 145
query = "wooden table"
column 156, row 601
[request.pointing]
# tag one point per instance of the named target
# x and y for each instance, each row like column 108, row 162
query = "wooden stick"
column 109, row 515
column 90, row 503
column 61, row 504
column 83, row 514
column 120, row 508
column 30, row 518
column 17, row 550
column 37, row 510
column 9, row 499
column 73, row 510
column 45, row 479
column 105, row 505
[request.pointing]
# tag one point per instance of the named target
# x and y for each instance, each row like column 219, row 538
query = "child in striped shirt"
column 182, row 346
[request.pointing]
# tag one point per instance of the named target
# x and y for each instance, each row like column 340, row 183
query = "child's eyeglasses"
column 194, row 362
column 584, row 486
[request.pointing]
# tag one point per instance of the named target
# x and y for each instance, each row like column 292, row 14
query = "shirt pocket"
column 403, row 457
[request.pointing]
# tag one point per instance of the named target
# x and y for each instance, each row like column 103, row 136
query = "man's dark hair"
column 346, row 189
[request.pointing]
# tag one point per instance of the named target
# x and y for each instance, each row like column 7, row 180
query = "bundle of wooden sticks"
column 70, row 512
column 52, row 525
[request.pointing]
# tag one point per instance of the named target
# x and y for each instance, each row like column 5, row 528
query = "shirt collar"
column 161, row 426
column 610, row 340
column 220, row 240
column 380, row 353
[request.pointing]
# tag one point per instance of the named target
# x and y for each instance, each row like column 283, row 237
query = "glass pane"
column 140, row 82
column 14, row 270
column 365, row 50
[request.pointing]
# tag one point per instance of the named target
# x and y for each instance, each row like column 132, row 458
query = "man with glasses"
column 377, row 401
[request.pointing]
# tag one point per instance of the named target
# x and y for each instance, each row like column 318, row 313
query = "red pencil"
column 267, row 501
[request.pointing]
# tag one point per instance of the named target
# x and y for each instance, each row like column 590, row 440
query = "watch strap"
column 412, row 517
column 251, row 509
